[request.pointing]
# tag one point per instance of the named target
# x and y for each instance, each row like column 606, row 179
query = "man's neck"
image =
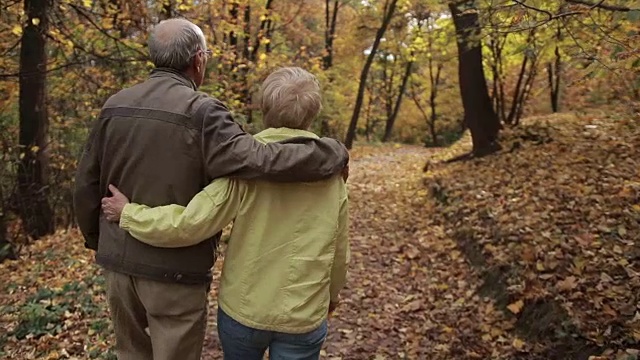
column 189, row 74
column 184, row 77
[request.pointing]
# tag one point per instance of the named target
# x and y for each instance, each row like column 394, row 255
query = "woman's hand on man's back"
column 112, row 206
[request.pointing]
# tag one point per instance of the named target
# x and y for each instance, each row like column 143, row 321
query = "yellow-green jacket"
column 288, row 251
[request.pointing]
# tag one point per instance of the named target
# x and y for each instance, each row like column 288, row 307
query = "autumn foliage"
column 516, row 239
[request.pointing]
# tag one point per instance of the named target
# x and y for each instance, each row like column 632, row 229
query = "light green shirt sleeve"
column 174, row 226
column 343, row 252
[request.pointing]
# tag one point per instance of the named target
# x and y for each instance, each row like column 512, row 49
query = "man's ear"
column 195, row 63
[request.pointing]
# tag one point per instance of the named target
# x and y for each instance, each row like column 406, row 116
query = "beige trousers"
column 175, row 315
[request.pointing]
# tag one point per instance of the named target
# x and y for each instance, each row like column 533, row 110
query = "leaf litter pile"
column 530, row 253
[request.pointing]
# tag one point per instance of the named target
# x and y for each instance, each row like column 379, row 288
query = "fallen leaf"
column 518, row 344
column 569, row 283
column 516, row 307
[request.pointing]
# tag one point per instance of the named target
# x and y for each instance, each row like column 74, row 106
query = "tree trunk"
column 497, row 42
column 246, row 92
column 403, row 86
column 270, row 27
column 388, row 74
column 524, row 83
column 479, row 115
column 368, row 122
column 263, row 32
column 233, row 37
column 435, row 82
column 555, row 74
column 515, row 103
column 388, row 14
column 166, row 12
column 6, row 250
column 329, row 33
column 432, row 127
column 32, row 203
column 327, row 58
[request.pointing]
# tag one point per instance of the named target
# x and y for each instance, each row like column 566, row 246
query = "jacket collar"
column 283, row 133
column 174, row 74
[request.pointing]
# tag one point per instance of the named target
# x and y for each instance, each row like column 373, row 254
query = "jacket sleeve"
column 343, row 252
column 173, row 226
column 229, row 151
column 87, row 194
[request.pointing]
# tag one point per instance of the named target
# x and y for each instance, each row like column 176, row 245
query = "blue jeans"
column 240, row 342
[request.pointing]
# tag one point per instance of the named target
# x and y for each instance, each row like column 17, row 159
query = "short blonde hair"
column 290, row 98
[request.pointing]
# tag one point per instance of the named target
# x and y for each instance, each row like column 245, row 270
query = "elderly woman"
column 287, row 256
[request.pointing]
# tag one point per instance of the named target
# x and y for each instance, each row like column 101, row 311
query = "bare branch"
column 550, row 16
column 82, row 13
column 11, row 48
column 18, row 74
column 546, row 12
column 601, row 5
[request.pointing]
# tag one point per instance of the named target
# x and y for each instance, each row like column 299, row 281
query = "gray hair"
column 290, row 98
column 174, row 42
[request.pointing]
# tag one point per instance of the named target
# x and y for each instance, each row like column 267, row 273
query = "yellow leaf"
column 35, row 21
column 516, row 307
column 87, row 3
column 539, row 266
column 518, row 344
column 17, row 30
column 263, row 56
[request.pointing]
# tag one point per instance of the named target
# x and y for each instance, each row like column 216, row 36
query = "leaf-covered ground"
column 531, row 253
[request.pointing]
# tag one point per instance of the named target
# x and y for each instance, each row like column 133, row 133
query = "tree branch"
column 550, row 16
column 601, row 5
column 18, row 74
column 11, row 48
column 546, row 12
column 83, row 14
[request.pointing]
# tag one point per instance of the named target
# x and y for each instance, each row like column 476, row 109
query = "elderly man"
column 161, row 142
column 286, row 260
